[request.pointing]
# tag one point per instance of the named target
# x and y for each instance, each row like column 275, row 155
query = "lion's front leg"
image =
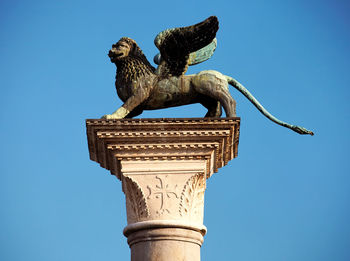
column 130, row 104
column 118, row 114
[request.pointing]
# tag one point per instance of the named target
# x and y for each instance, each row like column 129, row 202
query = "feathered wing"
column 202, row 54
column 175, row 45
column 196, row 57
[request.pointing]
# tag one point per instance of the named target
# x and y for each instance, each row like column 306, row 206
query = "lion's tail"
column 252, row 99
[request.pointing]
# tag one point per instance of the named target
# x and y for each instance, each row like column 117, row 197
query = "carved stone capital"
column 167, row 190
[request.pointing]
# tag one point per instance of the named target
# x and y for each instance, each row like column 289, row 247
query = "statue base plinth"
column 163, row 165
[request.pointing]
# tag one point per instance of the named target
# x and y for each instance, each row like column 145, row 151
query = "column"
column 163, row 165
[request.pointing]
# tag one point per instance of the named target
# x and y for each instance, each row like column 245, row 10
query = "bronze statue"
column 142, row 87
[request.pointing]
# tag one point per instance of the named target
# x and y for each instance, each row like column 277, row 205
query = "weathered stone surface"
column 163, row 165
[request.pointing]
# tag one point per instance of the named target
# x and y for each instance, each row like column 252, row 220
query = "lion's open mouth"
column 114, row 55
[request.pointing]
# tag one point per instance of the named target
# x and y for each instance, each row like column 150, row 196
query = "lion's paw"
column 108, row 117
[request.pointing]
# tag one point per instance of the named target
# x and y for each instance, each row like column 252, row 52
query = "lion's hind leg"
column 213, row 106
column 214, row 85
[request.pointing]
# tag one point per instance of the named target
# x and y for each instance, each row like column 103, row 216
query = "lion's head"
column 125, row 47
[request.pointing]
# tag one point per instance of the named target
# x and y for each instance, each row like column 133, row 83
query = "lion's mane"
column 135, row 65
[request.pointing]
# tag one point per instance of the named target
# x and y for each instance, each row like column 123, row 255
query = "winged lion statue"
column 142, row 87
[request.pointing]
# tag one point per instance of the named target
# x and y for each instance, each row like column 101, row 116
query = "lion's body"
column 148, row 91
column 170, row 92
column 187, row 89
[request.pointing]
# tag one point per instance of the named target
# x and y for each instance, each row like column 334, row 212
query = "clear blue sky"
column 285, row 198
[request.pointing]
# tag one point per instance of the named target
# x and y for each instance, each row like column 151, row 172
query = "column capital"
column 213, row 140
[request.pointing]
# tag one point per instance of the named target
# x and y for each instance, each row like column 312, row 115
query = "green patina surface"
column 203, row 54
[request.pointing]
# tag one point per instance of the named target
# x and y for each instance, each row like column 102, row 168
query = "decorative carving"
column 201, row 133
column 192, row 196
column 164, row 193
column 162, row 121
column 161, row 146
column 135, row 201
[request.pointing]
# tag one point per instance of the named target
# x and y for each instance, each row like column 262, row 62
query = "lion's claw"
column 112, row 116
column 107, row 117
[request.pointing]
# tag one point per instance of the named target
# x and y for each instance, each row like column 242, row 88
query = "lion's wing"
column 175, row 45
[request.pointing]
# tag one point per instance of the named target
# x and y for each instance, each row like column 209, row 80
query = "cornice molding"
column 214, row 140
